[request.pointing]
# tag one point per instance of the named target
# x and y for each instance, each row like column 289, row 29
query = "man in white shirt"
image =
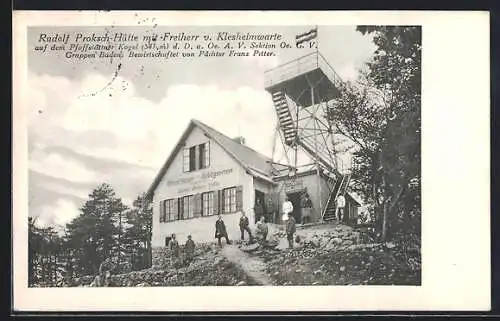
column 340, row 207
column 287, row 209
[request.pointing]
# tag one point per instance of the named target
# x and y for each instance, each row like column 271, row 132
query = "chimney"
column 240, row 140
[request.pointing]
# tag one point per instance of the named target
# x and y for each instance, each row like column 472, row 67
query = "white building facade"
column 208, row 174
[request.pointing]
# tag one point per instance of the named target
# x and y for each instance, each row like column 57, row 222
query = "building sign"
column 199, row 181
column 293, row 184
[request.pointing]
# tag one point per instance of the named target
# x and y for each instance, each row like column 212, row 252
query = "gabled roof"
column 255, row 163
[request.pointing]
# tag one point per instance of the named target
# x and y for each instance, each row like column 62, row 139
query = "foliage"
column 380, row 114
column 45, row 254
column 137, row 237
column 105, row 228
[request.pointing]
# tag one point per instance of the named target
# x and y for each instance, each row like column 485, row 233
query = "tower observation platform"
column 298, row 76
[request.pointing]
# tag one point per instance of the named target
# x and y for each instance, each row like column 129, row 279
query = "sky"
column 84, row 131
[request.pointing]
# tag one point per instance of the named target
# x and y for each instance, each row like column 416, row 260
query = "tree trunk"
column 384, row 222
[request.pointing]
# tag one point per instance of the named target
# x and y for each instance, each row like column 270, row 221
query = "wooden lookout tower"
column 303, row 90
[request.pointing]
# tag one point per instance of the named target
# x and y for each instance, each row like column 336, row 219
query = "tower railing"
column 301, row 65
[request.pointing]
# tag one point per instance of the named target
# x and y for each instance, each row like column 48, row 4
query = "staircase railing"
column 339, row 189
column 333, row 194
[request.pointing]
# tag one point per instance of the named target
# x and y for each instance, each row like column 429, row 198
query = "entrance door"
column 295, row 198
column 260, row 196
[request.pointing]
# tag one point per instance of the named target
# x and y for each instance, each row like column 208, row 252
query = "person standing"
column 189, row 249
column 340, row 207
column 105, row 269
column 244, row 223
column 220, row 231
column 287, row 209
column 261, row 229
column 174, row 248
column 290, row 230
column 306, row 209
column 259, row 210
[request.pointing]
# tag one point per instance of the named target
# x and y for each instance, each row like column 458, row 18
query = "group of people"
column 261, row 230
column 188, row 248
column 104, row 275
column 306, row 205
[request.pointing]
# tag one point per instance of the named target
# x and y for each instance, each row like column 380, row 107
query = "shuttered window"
column 222, row 209
column 230, row 200
column 188, row 205
column 186, row 160
column 168, row 210
column 207, row 154
column 180, row 214
column 233, row 199
column 192, row 159
column 196, row 157
column 239, row 198
column 216, row 205
column 162, row 212
column 208, row 207
column 174, row 210
column 197, row 205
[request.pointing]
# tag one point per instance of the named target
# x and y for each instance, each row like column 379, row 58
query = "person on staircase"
column 306, row 205
column 340, row 208
column 244, row 226
column 220, row 230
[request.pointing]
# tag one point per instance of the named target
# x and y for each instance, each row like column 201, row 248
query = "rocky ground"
column 337, row 255
column 323, row 255
column 208, row 268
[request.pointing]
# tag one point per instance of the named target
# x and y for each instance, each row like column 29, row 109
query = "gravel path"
column 253, row 267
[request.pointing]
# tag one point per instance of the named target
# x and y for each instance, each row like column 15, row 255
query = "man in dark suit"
column 290, row 230
column 244, row 226
column 259, row 210
column 189, row 250
column 220, row 230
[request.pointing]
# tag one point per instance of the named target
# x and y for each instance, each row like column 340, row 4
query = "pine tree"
column 138, row 234
column 104, row 228
column 94, row 234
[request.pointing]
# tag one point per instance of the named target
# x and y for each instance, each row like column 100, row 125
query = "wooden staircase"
column 285, row 117
column 339, row 188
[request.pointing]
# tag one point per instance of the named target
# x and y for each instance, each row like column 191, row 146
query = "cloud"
column 60, row 212
column 90, row 133
column 53, row 164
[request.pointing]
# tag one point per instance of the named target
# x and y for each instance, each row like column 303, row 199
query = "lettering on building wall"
column 199, row 181
column 293, row 184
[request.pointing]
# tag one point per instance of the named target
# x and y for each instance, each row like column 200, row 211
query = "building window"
column 186, row 207
column 167, row 210
column 207, row 204
column 192, row 159
column 204, row 155
column 230, row 200
column 196, row 157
